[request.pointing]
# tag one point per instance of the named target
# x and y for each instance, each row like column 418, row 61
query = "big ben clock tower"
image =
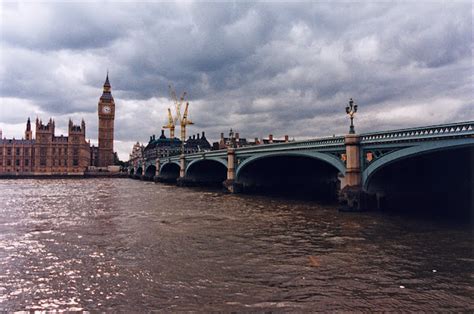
column 106, row 126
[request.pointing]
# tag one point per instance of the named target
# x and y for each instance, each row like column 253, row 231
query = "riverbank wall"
column 85, row 175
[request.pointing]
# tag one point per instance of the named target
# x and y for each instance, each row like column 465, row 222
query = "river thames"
column 125, row 245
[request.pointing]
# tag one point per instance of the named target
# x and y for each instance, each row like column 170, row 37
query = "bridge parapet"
column 460, row 129
column 325, row 142
column 334, row 142
column 213, row 153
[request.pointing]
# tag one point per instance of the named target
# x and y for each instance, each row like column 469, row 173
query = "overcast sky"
column 280, row 68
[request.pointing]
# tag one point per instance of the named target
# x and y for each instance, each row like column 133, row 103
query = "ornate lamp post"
column 351, row 110
column 231, row 141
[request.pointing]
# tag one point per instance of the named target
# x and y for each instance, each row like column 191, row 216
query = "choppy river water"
column 125, row 245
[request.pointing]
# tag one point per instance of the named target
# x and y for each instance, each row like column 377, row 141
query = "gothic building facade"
column 106, row 111
column 47, row 154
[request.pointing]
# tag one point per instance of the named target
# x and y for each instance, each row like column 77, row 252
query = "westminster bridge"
column 424, row 166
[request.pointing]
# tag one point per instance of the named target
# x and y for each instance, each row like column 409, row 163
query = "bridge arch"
column 168, row 164
column 411, row 152
column 300, row 174
column 139, row 171
column 208, row 171
column 431, row 178
column 333, row 161
column 150, row 172
column 169, row 171
column 132, row 171
column 219, row 160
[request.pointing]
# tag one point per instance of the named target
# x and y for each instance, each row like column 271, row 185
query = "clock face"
column 106, row 109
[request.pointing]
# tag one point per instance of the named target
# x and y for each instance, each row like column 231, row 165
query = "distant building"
column 136, row 155
column 161, row 147
column 50, row 154
column 103, row 155
column 271, row 140
column 47, row 154
column 234, row 140
column 165, row 147
column 106, row 112
column 94, row 155
column 197, row 143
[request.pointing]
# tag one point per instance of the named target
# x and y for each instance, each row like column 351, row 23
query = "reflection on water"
column 125, row 245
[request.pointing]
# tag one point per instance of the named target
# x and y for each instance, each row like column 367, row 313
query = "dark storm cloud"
column 262, row 68
column 64, row 26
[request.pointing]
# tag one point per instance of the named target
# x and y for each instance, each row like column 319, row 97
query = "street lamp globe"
column 351, row 109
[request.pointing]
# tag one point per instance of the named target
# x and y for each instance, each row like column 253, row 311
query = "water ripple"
column 123, row 245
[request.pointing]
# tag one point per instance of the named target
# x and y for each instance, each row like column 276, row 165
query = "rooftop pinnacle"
column 107, row 83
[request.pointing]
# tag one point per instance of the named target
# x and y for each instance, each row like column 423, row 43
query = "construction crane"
column 185, row 121
column 181, row 119
column 171, row 124
column 177, row 103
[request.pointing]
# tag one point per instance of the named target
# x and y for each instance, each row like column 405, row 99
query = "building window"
column 75, row 162
column 9, row 151
column 18, row 151
column 27, row 162
column 18, row 162
column 27, row 151
column 42, row 161
column 9, row 162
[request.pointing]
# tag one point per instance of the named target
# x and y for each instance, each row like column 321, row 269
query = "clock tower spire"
column 106, row 111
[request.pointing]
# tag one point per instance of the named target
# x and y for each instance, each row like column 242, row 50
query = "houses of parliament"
column 45, row 153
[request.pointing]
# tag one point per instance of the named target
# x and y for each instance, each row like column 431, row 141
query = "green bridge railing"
column 459, row 129
column 420, row 133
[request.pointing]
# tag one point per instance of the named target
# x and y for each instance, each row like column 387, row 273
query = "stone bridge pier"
column 352, row 195
column 230, row 183
column 157, row 171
